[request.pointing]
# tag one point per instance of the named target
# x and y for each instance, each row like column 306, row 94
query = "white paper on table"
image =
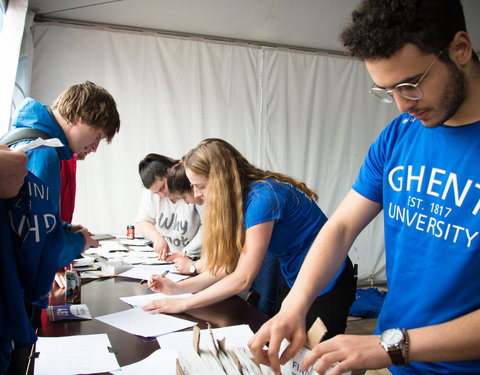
column 144, row 248
column 154, row 261
column 84, row 262
column 82, row 354
column 37, row 144
column 142, row 300
column 142, row 323
column 109, row 255
column 112, row 246
column 236, row 337
column 143, row 272
column 159, row 362
column 138, row 258
column 135, row 242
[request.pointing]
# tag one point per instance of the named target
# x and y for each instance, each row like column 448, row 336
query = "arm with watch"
column 455, row 340
column 186, row 265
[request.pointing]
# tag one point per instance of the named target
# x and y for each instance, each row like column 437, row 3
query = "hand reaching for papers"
column 161, row 247
column 347, row 352
column 287, row 324
column 89, row 241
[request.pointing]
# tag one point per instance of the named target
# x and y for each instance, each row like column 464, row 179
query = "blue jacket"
column 31, row 242
column 45, row 164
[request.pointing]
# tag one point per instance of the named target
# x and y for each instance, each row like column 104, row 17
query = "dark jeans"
column 332, row 307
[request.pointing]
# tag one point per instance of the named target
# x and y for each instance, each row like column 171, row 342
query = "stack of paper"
column 219, row 360
column 84, row 354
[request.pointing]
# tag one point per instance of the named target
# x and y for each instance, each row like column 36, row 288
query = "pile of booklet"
column 219, row 360
column 240, row 361
column 68, row 312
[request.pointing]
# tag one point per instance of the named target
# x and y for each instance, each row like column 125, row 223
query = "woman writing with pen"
column 150, row 285
column 248, row 212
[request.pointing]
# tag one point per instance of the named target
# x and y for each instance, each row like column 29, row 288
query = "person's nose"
column 93, row 147
column 196, row 192
column 403, row 104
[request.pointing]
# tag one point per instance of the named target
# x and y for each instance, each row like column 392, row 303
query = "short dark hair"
column 154, row 166
column 177, row 181
column 380, row 28
column 93, row 104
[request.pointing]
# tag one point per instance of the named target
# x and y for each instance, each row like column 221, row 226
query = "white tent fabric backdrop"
column 303, row 114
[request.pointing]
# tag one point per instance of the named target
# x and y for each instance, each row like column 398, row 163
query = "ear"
column 460, row 49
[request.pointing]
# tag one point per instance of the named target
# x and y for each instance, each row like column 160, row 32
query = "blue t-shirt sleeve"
column 262, row 205
column 369, row 180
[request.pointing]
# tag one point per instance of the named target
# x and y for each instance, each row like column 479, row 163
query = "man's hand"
column 348, row 352
column 89, row 241
column 284, row 325
column 13, row 169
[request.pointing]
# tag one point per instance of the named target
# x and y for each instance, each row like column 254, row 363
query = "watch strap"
column 406, row 346
column 396, row 356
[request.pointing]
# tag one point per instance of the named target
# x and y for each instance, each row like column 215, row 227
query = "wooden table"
column 102, row 297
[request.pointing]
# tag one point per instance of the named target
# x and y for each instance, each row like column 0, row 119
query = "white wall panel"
column 304, row 114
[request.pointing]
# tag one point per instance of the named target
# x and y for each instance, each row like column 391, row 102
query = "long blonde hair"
column 228, row 174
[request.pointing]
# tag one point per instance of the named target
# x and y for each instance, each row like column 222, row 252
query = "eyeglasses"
column 407, row 90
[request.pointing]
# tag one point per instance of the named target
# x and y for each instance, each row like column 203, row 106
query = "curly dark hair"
column 380, row 28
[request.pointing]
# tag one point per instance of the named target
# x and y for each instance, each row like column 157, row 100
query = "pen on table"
column 162, row 275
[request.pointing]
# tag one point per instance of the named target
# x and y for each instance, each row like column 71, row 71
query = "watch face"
column 392, row 336
column 192, row 268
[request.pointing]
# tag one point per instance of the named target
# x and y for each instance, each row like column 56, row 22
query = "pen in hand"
column 162, row 275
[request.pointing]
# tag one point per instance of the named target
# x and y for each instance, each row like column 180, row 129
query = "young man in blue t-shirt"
column 423, row 172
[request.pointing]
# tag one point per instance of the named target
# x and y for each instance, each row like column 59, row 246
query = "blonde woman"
column 248, row 212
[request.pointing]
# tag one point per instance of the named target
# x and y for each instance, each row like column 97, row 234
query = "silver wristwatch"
column 392, row 341
column 192, row 269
